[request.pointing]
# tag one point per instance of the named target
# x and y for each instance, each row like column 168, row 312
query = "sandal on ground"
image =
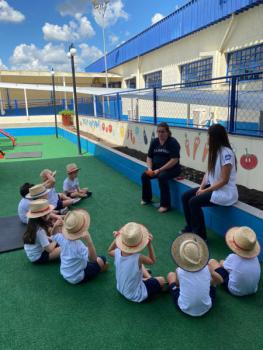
column 145, row 203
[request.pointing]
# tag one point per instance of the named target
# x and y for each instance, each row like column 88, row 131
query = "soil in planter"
column 246, row 195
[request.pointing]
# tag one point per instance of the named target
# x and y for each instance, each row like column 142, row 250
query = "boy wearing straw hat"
column 60, row 201
column 134, row 282
column 71, row 184
column 190, row 286
column 239, row 272
column 39, row 248
column 79, row 261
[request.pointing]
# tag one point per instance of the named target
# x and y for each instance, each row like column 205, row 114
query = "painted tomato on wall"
column 248, row 161
column 110, row 128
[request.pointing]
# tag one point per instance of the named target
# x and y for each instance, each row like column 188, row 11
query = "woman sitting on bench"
column 219, row 183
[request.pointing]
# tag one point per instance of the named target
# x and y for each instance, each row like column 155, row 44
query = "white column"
column 94, row 105
column 25, row 95
column 2, row 110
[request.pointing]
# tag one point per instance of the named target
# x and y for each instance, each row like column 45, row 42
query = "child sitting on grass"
column 71, row 183
column 79, row 261
column 23, row 205
column 134, row 282
column 60, row 201
column 190, row 285
column 239, row 272
column 39, row 248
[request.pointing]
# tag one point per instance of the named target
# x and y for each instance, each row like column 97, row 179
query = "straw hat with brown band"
column 37, row 191
column 72, row 168
column 243, row 241
column 76, row 224
column 39, row 208
column 132, row 238
column 190, row 252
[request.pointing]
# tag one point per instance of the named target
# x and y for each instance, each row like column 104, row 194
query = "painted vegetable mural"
column 196, row 145
column 248, row 161
column 205, row 152
column 187, row 145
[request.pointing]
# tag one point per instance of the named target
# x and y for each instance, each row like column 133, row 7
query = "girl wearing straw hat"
column 134, row 282
column 190, row 286
column 240, row 272
column 79, row 260
column 38, row 247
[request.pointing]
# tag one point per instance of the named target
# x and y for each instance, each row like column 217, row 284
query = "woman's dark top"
column 161, row 154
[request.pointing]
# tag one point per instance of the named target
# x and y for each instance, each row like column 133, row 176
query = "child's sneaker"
column 63, row 211
column 76, row 200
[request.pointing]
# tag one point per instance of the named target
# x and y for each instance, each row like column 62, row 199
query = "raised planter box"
column 67, row 120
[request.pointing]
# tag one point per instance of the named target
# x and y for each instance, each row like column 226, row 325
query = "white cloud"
column 2, row 65
column 76, row 30
column 8, row 14
column 157, row 17
column 31, row 57
column 113, row 13
column 113, row 39
column 71, row 7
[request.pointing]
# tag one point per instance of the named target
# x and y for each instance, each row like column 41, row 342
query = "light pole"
column 54, row 100
column 71, row 53
column 101, row 7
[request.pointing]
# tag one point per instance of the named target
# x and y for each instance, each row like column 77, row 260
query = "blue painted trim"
column 30, row 131
column 233, row 216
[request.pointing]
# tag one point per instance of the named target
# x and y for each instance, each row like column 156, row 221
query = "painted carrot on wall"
column 196, row 145
column 145, row 138
column 187, row 145
column 205, row 152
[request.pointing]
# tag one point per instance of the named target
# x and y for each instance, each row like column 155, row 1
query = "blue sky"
column 35, row 34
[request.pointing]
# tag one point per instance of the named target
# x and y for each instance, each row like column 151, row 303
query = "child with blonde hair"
column 71, row 185
column 240, row 271
column 134, row 282
column 79, row 260
column 38, row 246
column 60, row 201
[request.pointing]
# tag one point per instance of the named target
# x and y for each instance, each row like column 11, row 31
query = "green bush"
column 67, row 112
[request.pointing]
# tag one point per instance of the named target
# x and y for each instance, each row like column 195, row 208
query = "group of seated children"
column 192, row 285
column 72, row 193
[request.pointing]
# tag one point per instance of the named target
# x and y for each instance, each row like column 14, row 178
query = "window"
column 115, row 85
column 245, row 61
column 131, row 83
column 193, row 72
column 153, row 80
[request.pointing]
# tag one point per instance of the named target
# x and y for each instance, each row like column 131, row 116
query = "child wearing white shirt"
column 190, row 286
column 239, row 272
column 79, row 261
column 134, row 282
column 38, row 246
column 71, row 185
column 23, row 205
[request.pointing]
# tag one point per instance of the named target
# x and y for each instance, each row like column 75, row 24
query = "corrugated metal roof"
column 191, row 17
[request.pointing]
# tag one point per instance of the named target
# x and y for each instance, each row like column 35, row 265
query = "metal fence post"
column 233, row 94
column 154, row 106
column 118, row 106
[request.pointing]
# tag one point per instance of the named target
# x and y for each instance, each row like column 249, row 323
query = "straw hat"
column 38, row 208
column 132, row 238
column 37, row 191
column 190, row 252
column 76, row 224
column 71, row 168
column 43, row 173
column 243, row 241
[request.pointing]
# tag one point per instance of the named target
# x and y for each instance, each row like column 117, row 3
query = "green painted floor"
column 39, row 310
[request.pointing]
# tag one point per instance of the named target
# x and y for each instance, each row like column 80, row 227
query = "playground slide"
column 3, row 132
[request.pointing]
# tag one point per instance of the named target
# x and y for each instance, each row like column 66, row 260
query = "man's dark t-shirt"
column 161, row 154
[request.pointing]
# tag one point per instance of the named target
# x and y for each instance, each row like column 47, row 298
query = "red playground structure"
column 10, row 137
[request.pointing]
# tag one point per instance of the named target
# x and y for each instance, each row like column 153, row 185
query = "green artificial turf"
column 39, row 310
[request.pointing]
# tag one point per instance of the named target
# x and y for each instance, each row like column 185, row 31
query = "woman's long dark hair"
column 217, row 138
column 32, row 227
